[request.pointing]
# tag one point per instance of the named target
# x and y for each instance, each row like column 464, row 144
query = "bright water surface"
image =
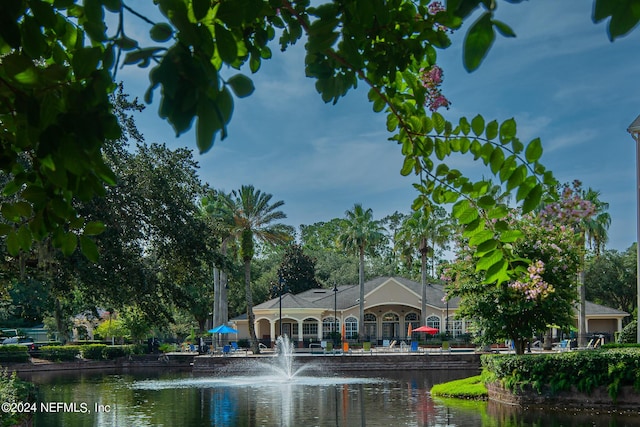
column 155, row 398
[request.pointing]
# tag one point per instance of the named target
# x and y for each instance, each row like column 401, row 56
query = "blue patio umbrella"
column 223, row 329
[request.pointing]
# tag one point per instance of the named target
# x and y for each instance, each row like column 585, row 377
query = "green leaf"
column 492, row 130
column 408, row 165
column 94, row 228
column 25, row 238
column 200, row 8
column 498, row 212
column 517, row 177
column 503, row 28
column 468, row 215
column 486, row 202
column 161, row 32
column 496, row 160
column 458, row 209
column 464, row 126
column 507, row 131
column 533, row 151
column 497, row 272
column 438, row 122
column 510, row 236
column 226, row 43
column 532, row 200
column 13, row 244
column 488, row 259
column 241, row 85
column 477, row 125
column 481, row 237
column 207, row 125
column 85, row 61
column 89, row 249
column 68, row 243
column 477, row 42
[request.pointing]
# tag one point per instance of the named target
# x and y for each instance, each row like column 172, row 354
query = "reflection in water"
column 181, row 399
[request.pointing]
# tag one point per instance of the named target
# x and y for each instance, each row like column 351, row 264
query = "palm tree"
column 595, row 227
column 253, row 220
column 424, row 230
column 361, row 235
column 593, row 231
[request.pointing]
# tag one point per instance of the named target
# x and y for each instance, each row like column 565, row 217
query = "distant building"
column 391, row 304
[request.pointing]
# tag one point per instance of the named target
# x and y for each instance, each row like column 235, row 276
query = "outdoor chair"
column 234, row 346
column 564, row 345
column 414, row 345
column 226, row 350
column 445, row 347
column 392, row 345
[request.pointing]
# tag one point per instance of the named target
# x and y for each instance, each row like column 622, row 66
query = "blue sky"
column 560, row 78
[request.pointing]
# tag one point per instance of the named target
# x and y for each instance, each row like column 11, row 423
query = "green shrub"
column 166, row 347
column 115, row 351
column 13, row 353
column 60, row 353
column 629, row 333
column 13, row 390
column 585, row 370
column 93, row 351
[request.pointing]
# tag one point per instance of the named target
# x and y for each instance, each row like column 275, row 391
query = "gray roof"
column 593, row 309
column 349, row 295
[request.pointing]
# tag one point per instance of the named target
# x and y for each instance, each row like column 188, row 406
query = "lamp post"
column 335, row 313
column 634, row 130
column 281, row 283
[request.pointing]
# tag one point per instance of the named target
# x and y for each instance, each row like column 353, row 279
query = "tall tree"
column 298, row 270
column 361, row 235
column 580, row 215
column 543, row 294
column 610, row 279
column 255, row 222
column 422, row 231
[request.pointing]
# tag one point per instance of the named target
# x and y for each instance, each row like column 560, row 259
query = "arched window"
column 434, row 322
column 412, row 319
column 329, row 325
column 370, row 327
column 351, row 327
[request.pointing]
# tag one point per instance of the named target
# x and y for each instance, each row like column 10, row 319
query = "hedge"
column 585, row 370
column 93, row 351
column 14, row 353
column 58, row 353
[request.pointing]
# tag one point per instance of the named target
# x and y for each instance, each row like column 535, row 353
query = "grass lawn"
column 466, row 388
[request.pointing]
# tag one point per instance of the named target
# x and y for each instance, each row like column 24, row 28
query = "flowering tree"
column 543, row 290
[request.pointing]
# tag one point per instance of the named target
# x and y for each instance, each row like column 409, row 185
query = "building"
column 391, row 304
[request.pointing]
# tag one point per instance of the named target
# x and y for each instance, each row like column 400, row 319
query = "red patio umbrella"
column 428, row 329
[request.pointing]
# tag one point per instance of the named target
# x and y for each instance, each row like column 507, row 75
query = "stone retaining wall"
column 351, row 363
column 627, row 398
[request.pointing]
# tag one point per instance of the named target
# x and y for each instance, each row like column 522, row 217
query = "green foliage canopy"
column 59, row 63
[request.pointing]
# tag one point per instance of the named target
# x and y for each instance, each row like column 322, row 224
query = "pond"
column 152, row 398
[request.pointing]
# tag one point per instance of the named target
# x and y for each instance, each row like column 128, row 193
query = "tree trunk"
column 519, row 345
column 361, row 278
column 60, row 323
column 250, row 316
column 582, row 317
